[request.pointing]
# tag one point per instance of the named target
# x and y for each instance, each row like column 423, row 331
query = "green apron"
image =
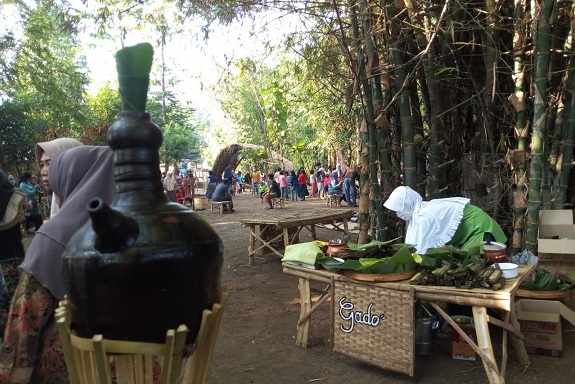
column 473, row 226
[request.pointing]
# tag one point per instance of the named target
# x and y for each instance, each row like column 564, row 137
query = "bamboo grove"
column 463, row 98
column 450, row 97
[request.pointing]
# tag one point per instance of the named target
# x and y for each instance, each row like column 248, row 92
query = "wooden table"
column 479, row 299
column 288, row 225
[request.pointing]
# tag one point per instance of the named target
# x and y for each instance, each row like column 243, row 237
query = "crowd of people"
column 179, row 187
column 320, row 182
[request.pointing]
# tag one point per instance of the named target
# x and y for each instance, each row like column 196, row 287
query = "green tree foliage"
column 287, row 108
column 46, row 73
column 18, row 135
column 182, row 129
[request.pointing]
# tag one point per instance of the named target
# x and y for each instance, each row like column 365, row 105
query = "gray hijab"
column 76, row 175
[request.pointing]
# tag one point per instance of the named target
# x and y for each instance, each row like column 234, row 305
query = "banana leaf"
column 401, row 261
column 546, row 281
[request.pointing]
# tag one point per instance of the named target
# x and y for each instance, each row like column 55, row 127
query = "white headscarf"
column 403, row 201
column 430, row 224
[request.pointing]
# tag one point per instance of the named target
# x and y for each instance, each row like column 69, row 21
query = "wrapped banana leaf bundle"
column 461, row 268
column 474, row 275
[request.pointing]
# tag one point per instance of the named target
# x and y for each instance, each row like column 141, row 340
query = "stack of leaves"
column 543, row 280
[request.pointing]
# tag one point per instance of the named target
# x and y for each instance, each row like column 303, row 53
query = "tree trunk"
column 542, row 45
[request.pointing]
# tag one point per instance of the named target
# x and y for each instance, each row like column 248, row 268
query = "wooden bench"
column 333, row 201
column 220, row 205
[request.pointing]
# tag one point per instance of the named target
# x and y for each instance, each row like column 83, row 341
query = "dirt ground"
column 256, row 343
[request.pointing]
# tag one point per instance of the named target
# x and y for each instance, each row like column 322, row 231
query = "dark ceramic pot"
column 145, row 265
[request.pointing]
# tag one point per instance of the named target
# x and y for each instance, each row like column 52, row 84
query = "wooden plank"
column 292, row 219
column 102, row 365
column 311, row 276
column 484, row 343
column 305, row 306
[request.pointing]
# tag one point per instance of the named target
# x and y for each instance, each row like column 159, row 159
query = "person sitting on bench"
column 222, row 193
column 274, row 190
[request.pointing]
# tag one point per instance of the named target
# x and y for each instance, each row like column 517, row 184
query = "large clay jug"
column 144, row 265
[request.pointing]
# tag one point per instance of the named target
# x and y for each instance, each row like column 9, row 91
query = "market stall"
column 375, row 321
column 268, row 230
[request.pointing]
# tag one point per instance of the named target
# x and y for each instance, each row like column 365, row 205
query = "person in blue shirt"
column 222, row 193
column 33, row 217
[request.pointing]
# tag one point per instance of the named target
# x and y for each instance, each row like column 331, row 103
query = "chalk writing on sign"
column 353, row 317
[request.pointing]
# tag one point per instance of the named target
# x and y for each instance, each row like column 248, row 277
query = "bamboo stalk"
column 521, row 131
column 373, row 101
column 542, row 45
column 569, row 133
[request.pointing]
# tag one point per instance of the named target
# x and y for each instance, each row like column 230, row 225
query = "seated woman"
column 451, row 221
column 335, row 187
column 212, row 183
column 222, row 193
column 31, row 351
column 274, row 191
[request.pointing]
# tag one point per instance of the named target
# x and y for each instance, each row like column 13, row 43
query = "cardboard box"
column 556, row 240
column 460, row 350
column 540, row 322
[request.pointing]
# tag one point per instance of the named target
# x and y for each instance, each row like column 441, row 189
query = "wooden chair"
column 92, row 361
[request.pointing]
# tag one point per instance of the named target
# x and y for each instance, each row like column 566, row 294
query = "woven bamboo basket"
column 390, row 344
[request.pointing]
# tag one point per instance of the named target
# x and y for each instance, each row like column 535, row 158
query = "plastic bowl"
column 509, row 270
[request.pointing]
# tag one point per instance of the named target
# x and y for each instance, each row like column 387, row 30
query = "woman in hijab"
column 45, row 152
column 435, row 223
column 31, row 349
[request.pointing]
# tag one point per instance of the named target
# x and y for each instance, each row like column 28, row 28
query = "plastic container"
column 509, row 270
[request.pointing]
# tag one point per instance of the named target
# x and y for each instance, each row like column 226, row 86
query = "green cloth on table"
column 304, row 253
column 473, row 226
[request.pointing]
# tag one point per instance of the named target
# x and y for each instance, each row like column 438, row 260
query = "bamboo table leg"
column 305, row 307
column 480, row 320
column 313, row 234
column 286, row 237
column 345, row 226
column 254, row 235
column 518, row 344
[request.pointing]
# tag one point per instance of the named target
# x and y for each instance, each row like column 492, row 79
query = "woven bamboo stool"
column 90, row 361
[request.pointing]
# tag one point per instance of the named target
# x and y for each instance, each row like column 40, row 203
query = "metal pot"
column 334, row 250
column 495, row 252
